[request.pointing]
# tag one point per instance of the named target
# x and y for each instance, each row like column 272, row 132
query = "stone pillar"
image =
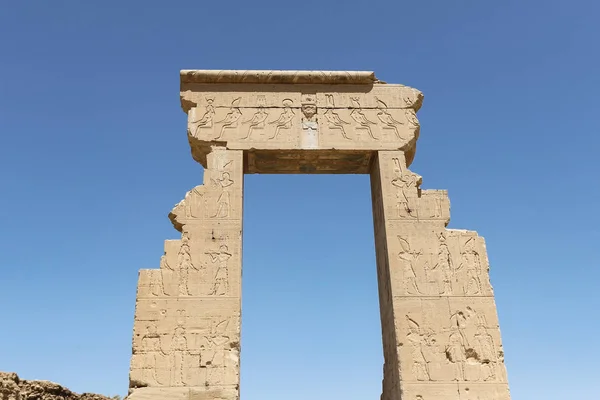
column 186, row 341
column 440, row 329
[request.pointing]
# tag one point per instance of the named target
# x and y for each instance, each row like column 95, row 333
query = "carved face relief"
column 309, row 106
column 309, row 111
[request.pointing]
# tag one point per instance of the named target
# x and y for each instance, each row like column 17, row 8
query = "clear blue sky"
column 93, row 155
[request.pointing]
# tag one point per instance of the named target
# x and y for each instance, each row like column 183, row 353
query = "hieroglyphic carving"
column 409, row 259
column 258, row 119
column 386, row 118
column 406, row 184
column 177, row 351
column 308, row 107
column 411, row 117
column 285, row 119
column 333, row 118
column 224, row 199
column 360, row 118
column 231, row 119
column 207, row 119
column 195, row 202
column 471, row 263
column 184, row 264
column 443, row 266
column 151, row 349
column 220, row 285
column 421, row 343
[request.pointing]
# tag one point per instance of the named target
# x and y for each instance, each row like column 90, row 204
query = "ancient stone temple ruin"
column 441, row 339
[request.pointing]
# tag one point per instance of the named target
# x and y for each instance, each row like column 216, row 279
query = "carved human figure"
column 455, row 354
column 418, row 341
column 360, row 118
column 333, row 118
column 223, row 201
column 285, row 119
column 184, row 264
column 151, row 349
column 177, row 351
column 486, row 349
column 411, row 117
column 256, row 122
column 409, row 258
column 156, row 283
column 471, row 262
column 232, row 117
column 406, row 183
column 207, row 118
column 444, row 265
column 221, row 279
column 195, row 203
column 386, row 118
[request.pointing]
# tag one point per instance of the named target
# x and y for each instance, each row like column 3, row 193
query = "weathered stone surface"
column 14, row 388
column 440, row 330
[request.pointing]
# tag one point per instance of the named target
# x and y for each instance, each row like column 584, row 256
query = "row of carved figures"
column 285, row 120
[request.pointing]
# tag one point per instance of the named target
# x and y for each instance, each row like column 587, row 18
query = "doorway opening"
column 310, row 306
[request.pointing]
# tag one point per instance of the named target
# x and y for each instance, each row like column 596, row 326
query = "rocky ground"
column 14, row 388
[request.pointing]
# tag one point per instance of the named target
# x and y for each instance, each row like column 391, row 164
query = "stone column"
column 440, row 329
column 186, row 341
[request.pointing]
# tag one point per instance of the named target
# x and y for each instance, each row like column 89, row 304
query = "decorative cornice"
column 282, row 77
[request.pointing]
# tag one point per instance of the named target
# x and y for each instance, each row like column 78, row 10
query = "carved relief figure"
column 184, row 264
column 409, row 258
column 151, row 348
column 232, row 118
column 386, row 118
column 444, row 265
column 258, row 119
column 207, row 119
column 411, row 117
column 285, row 119
column 156, row 283
column 486, row 349
column 223, row 201
column 407, row 185
column 333, row 118
column 177, row 351
column 221, row 280
column 309, row 108
column 455, row 353
column 195, row 203
column 471, row 262
column 418, row 341
column 360, row 118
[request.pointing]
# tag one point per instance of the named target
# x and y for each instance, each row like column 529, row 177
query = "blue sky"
column 93, row 155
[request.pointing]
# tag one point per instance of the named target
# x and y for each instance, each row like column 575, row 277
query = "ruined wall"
column 14, row 388
column 440, row 327
column 186, row 338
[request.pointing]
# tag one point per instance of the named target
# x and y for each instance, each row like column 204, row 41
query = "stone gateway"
column 441, row 338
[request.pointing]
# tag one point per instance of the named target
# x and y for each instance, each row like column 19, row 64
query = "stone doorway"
column 440, row 332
